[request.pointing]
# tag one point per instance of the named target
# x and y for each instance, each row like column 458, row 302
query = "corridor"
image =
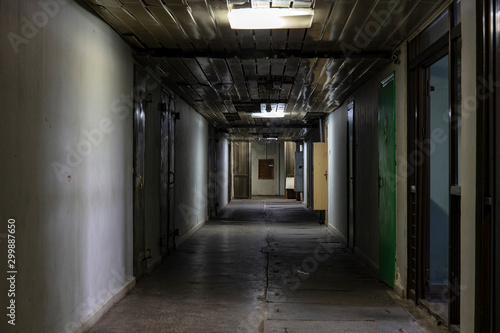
column 263, row 265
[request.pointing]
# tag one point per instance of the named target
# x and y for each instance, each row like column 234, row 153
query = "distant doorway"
column 241, row 169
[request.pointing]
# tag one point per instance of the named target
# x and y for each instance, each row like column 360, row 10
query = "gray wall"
column 222, row 174
column 267, row 150
column 191, row 175
column 71, row 74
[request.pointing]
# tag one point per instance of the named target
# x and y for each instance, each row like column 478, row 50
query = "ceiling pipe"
column 321, row 132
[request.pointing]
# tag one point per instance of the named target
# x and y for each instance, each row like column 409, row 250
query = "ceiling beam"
column 253, row 54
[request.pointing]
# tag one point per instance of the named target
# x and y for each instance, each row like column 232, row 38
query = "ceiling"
column 225, row 74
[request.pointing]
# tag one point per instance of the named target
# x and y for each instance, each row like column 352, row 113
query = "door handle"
column 326, row 175
column 172, row 180
column 140, row 182
column 380, row 182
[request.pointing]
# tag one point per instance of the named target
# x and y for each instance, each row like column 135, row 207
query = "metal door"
column 173, row 116
column 350, row 168
column 139, row 264
column 166, row 172
column 299, row 171
column 386, row 181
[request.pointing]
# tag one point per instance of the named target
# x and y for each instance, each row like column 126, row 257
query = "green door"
column 386, row 181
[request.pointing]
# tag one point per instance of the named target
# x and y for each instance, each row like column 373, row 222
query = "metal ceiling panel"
column 216, row 70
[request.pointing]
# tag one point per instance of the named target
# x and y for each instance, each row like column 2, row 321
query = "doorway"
column 241, row 169
column 436, row 288
column 433, row 173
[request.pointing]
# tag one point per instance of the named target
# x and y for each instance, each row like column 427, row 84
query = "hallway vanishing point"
column 263, row 265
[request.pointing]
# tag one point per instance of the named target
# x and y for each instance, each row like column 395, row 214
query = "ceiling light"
column 270, row 110
column 268, row 115
column 270, row 18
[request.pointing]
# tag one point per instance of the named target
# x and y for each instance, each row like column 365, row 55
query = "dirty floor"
column 263, row 265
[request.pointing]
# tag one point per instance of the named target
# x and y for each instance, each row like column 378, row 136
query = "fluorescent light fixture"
column 270, row 18
column 270, row 110
column 268, row 115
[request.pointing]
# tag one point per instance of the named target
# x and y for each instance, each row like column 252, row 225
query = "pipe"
column 321, row 134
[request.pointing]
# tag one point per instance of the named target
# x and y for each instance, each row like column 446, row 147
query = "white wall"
column 74, row 235
column 191, row 170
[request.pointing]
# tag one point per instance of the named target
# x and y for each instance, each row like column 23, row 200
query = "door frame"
column 418, row 210
column 249, row 170
column 487, row 302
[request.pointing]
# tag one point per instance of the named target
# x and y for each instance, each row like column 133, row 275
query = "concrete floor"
column 264, row 265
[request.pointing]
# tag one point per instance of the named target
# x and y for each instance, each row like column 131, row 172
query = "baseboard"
column 366, row 260
column 154, row 264
column 399, row 290
column 188, row 234
column 337, row 233
column 87, row 323
column 221, row 207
